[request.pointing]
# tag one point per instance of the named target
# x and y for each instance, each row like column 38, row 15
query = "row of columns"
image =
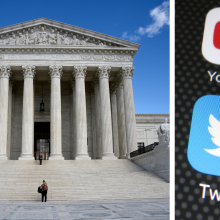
column 117, row 118
column 107, row 125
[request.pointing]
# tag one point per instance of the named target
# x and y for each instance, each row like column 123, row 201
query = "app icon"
column 204, row 140
column 211, row 37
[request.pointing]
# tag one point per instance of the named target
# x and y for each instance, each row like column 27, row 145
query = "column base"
column 56, row 157
column 4, row 157
column 109, row 156
column 26, row 157
column 82, row 157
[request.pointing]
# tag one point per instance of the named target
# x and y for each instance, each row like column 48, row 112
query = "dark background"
column 192, row 81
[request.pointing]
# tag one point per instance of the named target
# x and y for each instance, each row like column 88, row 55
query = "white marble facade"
column 88, row 94
column 147, row 126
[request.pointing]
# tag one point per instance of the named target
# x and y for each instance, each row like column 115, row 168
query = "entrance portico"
column 78, row 70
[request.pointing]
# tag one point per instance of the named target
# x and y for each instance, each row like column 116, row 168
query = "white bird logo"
column 214, row 130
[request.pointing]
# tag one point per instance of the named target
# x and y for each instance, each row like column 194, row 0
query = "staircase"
column 79, row 180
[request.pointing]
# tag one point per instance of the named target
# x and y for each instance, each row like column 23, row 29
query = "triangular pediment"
column 45, row 32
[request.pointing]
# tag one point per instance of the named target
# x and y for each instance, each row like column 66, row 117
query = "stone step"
column 79, row 180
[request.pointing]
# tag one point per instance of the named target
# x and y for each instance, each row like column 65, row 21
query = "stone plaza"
column 141, row 209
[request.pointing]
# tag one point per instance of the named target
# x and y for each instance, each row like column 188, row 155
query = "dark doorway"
column 42, row 140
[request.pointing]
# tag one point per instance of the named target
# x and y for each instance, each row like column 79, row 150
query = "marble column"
column 11, row 83
column 127, row 73
column 73, row 96
column 33, row 113
column 55, row 114
column 106, row 120
column 81, row 122
column 97, row 119
column 92, row 95
column 121, row 120
column 27, row 148
column 5, row 72
column 114, row 119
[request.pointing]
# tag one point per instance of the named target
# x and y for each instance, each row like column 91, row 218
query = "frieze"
column 45, row 35
column 65, row 57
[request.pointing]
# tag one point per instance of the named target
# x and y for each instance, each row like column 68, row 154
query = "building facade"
column 147, row 127
column 65, row 93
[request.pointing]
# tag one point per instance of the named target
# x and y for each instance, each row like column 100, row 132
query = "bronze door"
column 42, row 146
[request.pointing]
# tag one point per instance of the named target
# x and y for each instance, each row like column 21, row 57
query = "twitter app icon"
column 204, row 141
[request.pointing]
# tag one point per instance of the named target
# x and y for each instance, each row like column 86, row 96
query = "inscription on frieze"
column 65, row 57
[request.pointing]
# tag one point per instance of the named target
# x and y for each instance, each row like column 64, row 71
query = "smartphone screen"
column 197, row 109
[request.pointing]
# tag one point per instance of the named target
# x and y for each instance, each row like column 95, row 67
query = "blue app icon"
column 204, row 141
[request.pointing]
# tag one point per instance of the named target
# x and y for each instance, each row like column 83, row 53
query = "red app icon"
column 216, row 36
column 211, row 37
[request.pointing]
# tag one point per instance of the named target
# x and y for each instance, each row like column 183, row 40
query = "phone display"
column 197, row 110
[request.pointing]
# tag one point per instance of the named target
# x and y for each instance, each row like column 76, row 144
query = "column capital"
column 56, row 71
column 5, row 71
column 103, row 72
column 28, row 71
column 79, row 71
column 127, row 72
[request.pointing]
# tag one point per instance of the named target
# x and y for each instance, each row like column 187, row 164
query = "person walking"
column 40, row 158
column 44, row 188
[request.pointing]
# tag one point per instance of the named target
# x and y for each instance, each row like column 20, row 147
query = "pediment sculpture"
column 41, row 36
column 164, row 132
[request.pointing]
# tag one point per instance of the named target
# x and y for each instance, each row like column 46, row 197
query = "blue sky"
column 142, row 21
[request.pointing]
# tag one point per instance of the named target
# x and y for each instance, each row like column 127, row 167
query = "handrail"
column 143, row 150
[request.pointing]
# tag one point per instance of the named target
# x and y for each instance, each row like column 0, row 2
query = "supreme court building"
column 65, row 92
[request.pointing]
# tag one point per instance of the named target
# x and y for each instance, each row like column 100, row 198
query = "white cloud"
column 160, row 17
column 130, row 37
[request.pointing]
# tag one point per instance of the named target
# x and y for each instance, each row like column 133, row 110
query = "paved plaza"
column 145, row 209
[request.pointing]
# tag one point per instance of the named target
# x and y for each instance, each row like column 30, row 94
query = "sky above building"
column 141, row 21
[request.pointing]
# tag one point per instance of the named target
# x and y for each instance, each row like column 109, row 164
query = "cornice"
column 65, row 49
column 152, row 115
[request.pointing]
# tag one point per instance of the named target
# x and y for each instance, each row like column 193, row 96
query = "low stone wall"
column 156, row 161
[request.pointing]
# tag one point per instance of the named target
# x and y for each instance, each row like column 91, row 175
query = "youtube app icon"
column 216, row 36
column 211, row 37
